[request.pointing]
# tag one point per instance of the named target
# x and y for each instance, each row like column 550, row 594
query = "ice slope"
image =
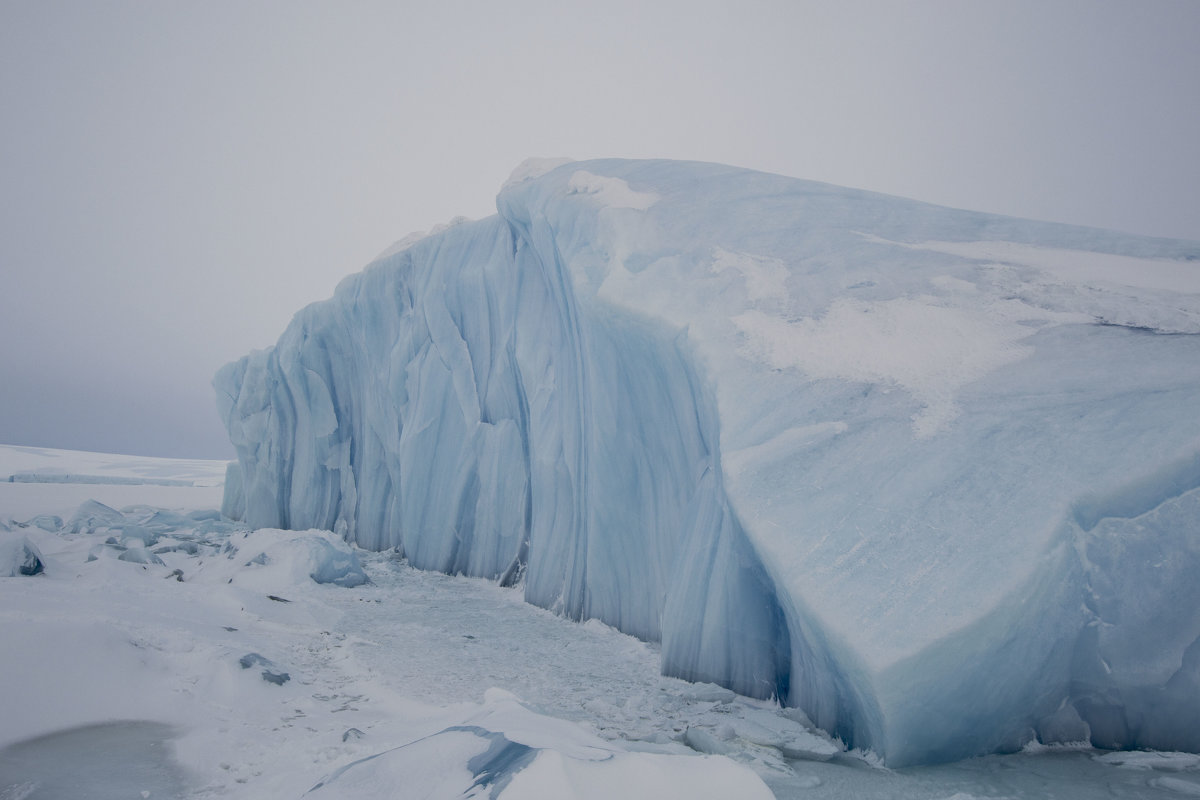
column 932, row 476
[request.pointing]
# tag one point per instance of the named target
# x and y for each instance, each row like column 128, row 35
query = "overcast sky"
column 177, row 179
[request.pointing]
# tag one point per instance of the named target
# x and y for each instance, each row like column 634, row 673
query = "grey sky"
column 177, row 179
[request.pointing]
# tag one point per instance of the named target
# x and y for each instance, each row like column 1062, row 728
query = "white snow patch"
column 929, row 346
column 610, row 192
column 1084, row 268
column 766, row 278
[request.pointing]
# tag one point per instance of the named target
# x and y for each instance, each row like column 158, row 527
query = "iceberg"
column 931, row 476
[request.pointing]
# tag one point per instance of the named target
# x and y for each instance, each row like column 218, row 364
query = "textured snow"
column 930, row 476
column 512, row 753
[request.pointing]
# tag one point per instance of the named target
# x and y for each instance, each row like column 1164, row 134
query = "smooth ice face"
column 927, row 474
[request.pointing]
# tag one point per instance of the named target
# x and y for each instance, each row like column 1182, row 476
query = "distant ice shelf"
column 116, row 480
column 931, row 476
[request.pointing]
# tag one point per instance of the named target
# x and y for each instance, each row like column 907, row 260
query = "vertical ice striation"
column 458, row 402
column 928, row 474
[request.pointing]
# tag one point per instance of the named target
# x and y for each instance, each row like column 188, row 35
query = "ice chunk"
column 274, row 560
column 19, row 556
column 47, row 522
column 332, row 561
column 769, row 729
column 610, row 192
column 140, row 555
column 823, row 444
column 707, row 693
column 270, row 672
column 190, row 548
column 456, row 762
column 106, row 550
column 704, row 741
column 133, row 535
column 93, row 515
column 233, row 504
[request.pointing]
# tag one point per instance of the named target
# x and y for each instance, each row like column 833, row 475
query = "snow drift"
column 932, row 476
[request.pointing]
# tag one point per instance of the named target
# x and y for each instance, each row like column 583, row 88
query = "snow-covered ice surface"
column 124, row 677
column 931, row 476
column 43, row 480
column 48, row 465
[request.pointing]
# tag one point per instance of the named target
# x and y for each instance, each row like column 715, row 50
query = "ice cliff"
column 932, row 476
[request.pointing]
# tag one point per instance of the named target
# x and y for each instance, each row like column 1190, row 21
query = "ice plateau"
column 931, row 476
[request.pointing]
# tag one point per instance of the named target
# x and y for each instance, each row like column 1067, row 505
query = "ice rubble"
column 932, row 476
column 279, row 559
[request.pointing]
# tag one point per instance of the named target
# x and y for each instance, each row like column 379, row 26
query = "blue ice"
column 932, row 476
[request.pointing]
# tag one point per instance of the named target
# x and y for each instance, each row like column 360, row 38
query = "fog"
column 177, row 179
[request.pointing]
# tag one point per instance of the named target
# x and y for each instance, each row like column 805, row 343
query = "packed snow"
column 229, row 671
column 931, row 477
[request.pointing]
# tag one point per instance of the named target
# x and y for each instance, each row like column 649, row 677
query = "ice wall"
column 456, row 402
column 929, row 475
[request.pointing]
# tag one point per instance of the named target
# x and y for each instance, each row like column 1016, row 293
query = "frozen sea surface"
column 109, row 761
column 459, row 633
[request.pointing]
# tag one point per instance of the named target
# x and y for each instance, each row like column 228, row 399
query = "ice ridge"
column 884, row 461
